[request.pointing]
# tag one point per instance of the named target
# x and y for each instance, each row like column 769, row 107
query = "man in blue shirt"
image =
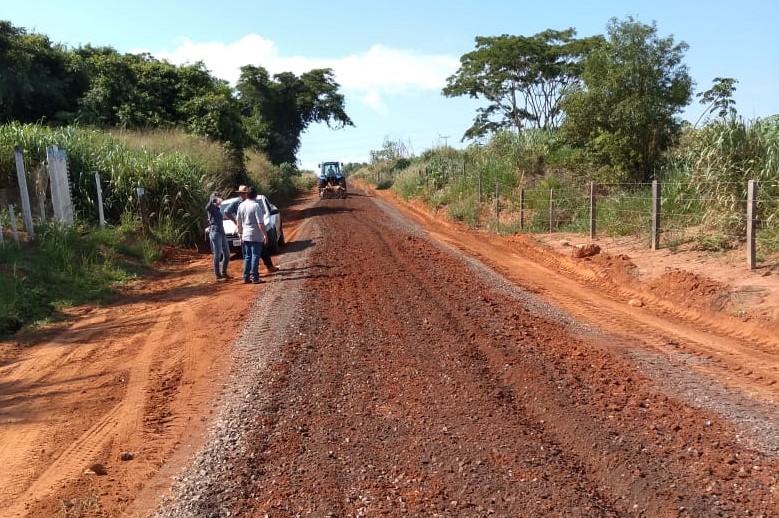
column 216, row 235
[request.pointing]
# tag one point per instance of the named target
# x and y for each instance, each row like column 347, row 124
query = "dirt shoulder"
column 94, row 411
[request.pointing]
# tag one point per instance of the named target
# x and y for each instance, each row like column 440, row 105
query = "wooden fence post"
column 497, row 202
column 592, row 210
column 655, row 215
column 551, row 209
column 521, row 209
column 144, row 212
column 751, row 225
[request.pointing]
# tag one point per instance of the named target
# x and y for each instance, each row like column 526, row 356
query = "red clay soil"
column 431, row 371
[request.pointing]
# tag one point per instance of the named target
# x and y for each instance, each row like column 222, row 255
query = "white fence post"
column 100, row 201
column 24, row 194
column 12, row 220
column 60, row 185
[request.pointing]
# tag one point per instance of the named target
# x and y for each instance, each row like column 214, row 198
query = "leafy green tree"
column 38, row 80
column 391, row 151
column 207, row 106
column 522, row 78
column 278, row 109
column 719, row 98
column 138, row 91
column 113, row 85
column 625, row 115
column 352, row 167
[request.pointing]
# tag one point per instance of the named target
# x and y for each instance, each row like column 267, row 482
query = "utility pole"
column 446, row 139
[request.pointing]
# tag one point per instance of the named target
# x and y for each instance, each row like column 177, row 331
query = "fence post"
column 521, row 210
column 592, row 210
column 144, row 212
column 655, row 215
column 100, row 213
column 551, row 209
column 24, row 194
column 480, row 188
column 12, row 220
column 61, row 201
column 751, row 224
column 497, row 202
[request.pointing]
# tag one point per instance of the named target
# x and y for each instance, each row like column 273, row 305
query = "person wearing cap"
column 230, row 211
column 220, row 247
column 250, row 221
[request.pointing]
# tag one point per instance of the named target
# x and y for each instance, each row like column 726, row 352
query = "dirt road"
column 396, row 366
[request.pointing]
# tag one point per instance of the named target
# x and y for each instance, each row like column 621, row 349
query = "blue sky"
column 392, row 58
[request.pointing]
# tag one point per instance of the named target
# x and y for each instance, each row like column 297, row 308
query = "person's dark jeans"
column 265, row 256
column 252, row 250
column 221, row 250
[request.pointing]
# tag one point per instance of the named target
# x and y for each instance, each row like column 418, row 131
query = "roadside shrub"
column 465, row 209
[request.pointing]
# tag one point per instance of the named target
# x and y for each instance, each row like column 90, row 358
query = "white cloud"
column 370, row 76
column 372, row 98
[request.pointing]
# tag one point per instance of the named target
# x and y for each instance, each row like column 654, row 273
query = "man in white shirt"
column 230, row 211
column 250, row 220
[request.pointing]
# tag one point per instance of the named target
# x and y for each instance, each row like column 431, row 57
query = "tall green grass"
column 71, row 265
column 714, row 165
column 703, row 198
column 66, row 266
column 176, row 180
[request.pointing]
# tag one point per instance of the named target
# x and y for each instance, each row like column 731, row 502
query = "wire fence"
column 660, row 219
column 713, row 216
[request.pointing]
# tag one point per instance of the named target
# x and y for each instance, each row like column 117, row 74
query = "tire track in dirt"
column 589, row 446
column 356, row 404
column 743, row 357
column 33, row 374
column 123, row 419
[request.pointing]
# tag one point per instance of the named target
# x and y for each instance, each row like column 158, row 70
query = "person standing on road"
column 217, row 237
column 230, row 211
column 251, row 227
column 265, row 256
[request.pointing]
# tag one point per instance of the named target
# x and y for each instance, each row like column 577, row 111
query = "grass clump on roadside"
column 66, row 266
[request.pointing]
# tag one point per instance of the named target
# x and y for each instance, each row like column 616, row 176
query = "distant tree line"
column 43, row 82
column 614, row 98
